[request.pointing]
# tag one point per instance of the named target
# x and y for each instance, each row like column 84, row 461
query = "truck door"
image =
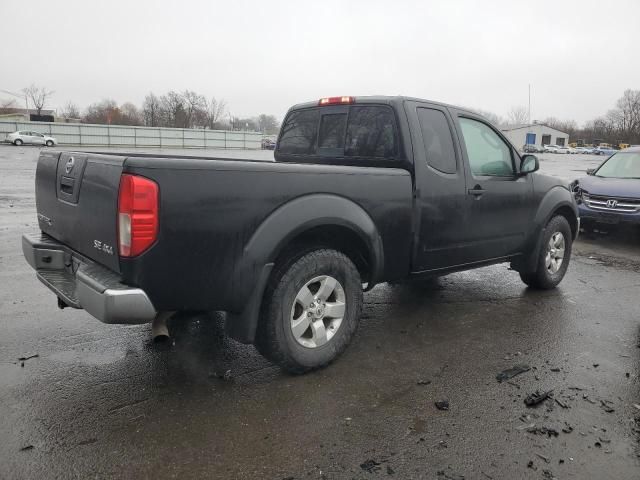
column 498, row 200
column 440, row 189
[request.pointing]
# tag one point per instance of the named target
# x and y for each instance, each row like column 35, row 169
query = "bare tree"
column 567, row 126
column 38, row 96
column 215, row 111
column 267, row 124
column 152, row 110
column 626, row 116
column 194, row 107
column 7, row 103
column 129, row 114
column 173, row 110
column 104, row 112
column 492, row 117
column 619, row 125
column 518, row 115
column 70, row 110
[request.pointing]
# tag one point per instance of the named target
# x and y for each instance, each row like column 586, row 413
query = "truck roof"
column 387, row 99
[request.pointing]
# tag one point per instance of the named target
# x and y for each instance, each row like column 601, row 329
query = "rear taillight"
column 137, row 215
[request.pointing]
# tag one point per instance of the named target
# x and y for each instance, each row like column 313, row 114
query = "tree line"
column 187, row 109
column 621, row 124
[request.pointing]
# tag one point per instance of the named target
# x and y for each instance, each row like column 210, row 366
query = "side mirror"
column 590, row 171
column 529, row 164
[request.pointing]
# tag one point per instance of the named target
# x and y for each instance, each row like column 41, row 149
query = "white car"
column 551, row 148
column 563, row 150
column 25, row 137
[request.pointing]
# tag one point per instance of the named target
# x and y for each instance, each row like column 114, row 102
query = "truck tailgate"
column 77, row 202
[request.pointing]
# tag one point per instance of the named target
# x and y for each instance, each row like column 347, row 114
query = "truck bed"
column 210, row 210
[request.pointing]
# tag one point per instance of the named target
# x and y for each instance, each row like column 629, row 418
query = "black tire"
column 17, row 142
column 275, row 339
column 49, row 143
column 543, row 278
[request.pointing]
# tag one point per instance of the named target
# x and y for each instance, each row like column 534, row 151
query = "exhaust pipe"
column 159, row 329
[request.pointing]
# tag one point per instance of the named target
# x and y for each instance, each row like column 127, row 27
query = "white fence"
column 125, row 136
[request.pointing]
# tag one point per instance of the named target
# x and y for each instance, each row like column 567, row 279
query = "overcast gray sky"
column 579, row 56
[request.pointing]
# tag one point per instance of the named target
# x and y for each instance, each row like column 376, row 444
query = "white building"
column 535, row 134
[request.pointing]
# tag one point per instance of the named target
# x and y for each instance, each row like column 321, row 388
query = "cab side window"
column 488, row 154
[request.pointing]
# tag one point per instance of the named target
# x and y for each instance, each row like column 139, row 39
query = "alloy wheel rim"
column 555, row 253
column 317, row 311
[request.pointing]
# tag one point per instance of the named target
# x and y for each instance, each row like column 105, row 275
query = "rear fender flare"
column 275, row 233
column 303, row 213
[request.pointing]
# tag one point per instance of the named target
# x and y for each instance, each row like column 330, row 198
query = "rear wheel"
column 553, row 259
column 311, row 310
column 49, row 143
column 17, row 142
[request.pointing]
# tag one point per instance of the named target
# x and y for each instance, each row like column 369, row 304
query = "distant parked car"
column 573, row 151
column 583, row 150
column 530, row 148
column 604, row 151
column 268, row 144
column 551, row 148
column 563, row 150
column 31, row 138
column 610, row 194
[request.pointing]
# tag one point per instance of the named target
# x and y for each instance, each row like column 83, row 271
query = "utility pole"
column 529, row 104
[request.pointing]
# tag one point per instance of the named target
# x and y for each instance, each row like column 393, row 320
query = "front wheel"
column 553, row 259
column 311, row 310
column 49, row 143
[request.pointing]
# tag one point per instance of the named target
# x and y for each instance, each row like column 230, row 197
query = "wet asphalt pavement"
column 102, row 401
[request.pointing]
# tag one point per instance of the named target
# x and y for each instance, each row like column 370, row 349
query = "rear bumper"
column 80, row 283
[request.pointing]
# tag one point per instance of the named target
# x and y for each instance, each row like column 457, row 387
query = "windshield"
column 621, row 165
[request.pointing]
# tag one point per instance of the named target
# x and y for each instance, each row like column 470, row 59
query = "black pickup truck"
column 363, row 190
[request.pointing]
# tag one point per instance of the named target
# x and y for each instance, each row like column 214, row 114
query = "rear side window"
column 438, row 142
column 371, row 133
column 299, row 133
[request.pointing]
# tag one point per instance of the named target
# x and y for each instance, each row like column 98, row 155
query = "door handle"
column 476, row 191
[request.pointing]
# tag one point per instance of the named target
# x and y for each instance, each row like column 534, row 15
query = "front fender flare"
column 557, row 198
